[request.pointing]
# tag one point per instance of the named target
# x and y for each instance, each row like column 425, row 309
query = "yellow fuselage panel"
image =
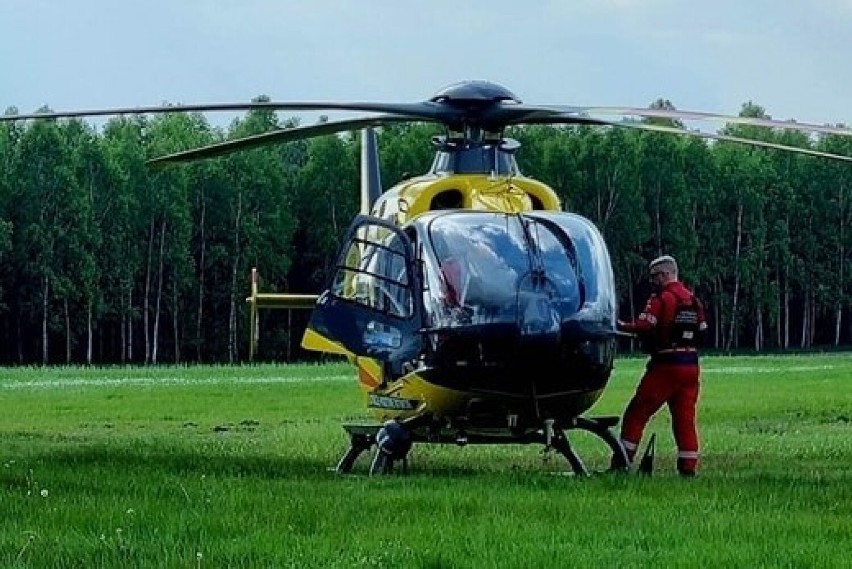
column 477, row 192
column 317, row 342
column 411, row 395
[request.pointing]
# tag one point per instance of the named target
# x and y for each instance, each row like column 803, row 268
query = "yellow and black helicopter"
column 473, row 308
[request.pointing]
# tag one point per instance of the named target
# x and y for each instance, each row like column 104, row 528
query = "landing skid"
column 363, row 436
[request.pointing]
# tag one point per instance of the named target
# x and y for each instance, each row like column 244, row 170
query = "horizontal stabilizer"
column 282, row 300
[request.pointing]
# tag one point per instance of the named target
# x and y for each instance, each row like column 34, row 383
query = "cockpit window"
column 593, row 264
column 474, row 268
column 374, row 273
column 559, row 262
column 483, row 265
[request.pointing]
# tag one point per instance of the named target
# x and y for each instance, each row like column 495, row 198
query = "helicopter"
column 473, row 308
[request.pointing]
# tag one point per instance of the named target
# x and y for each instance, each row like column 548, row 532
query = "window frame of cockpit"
column 362, row 328
column 345, row 271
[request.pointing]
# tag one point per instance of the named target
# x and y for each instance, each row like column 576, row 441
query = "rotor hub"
column 474, row 93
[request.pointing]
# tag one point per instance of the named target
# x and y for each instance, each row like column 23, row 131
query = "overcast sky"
column 790, row 56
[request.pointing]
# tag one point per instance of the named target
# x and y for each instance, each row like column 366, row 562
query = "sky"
column 789, row 56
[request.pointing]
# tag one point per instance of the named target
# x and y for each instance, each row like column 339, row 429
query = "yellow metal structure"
column 262, row 300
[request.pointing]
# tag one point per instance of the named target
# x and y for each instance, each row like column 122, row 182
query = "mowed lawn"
column 234, row 467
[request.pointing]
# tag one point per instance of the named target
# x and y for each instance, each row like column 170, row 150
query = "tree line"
column 105, row 259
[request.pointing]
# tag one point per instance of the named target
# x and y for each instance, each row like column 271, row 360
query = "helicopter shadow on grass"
column 143, row 460
column 98, row 467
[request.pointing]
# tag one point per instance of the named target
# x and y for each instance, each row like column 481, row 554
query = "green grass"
column 233, row 467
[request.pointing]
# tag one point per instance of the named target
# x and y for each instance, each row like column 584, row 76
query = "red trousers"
column 678, row 386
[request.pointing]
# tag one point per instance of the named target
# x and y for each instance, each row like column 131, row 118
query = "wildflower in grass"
column 30, row 539
column 44, row 493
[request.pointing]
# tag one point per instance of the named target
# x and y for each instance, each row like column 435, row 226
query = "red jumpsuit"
column 672, row 375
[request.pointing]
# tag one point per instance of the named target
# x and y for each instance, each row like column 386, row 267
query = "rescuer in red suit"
column 670, row 328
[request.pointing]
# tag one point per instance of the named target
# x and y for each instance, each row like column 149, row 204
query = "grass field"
column 233, row 467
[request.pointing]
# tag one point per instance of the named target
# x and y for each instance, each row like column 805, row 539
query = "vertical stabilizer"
column 371, row 185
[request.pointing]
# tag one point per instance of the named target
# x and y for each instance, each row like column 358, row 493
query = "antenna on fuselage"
column 371, row 185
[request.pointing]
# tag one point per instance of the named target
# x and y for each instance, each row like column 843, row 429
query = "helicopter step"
column 393, row 441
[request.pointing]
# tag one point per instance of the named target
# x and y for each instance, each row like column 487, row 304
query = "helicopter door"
column 370, row 306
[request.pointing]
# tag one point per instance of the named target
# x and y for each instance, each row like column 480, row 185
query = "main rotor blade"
column 545, row 118
column 279, row 136
column 497, row 115
column 427, row 110
column 712, row 136
column 702, row 116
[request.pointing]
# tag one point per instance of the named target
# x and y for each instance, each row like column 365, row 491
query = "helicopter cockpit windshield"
column 481, row 267
column 541, row 278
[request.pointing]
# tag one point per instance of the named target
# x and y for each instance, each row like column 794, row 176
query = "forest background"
column 106, row 260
